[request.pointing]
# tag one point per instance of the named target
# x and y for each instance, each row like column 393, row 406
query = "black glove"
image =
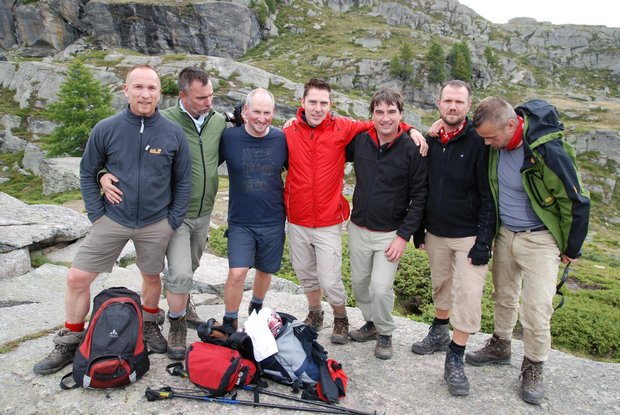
column 479, row 253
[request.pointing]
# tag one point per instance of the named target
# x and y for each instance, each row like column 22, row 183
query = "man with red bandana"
column 459, row 224
column 542, row 213
column 314, row 203
column 388, row 204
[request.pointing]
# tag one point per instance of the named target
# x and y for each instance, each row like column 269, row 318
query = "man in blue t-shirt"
column 255, row 154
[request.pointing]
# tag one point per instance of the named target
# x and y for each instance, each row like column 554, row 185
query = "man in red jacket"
column 315, row 206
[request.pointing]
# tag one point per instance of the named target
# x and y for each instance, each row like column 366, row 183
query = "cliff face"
column 43, row 28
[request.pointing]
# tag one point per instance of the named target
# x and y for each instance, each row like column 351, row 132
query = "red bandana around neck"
column 517, row 137
column 447, row 136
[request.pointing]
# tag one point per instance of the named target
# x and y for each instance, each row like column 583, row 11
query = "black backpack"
column 113, row 352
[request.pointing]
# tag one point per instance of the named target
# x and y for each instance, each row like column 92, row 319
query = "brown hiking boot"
column 315, row 319
column 177, row 337
column 383, row 348
column 495, row 351
column 532, row 386
column 340, row 335
column 191, row 317
column 364, row 333
column 66, row 343
column 151, row 331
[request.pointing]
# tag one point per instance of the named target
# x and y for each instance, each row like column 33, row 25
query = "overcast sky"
column 589, row 12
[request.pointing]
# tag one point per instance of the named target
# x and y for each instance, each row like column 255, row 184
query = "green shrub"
column 412, row 283
column 169, row 86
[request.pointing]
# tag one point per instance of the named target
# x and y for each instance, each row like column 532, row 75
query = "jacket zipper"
column 140, row 168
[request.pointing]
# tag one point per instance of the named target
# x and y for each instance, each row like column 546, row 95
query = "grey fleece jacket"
column 150, row 157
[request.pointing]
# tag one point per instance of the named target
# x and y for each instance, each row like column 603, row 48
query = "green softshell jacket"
column 550, row 177
column 204, row 149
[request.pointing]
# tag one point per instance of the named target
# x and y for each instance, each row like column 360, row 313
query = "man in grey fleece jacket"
column 150, row 157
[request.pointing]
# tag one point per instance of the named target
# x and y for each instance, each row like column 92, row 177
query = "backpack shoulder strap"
column 64, row 386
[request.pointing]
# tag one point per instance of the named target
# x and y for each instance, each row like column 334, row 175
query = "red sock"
column 150, row 310
column 77, row 327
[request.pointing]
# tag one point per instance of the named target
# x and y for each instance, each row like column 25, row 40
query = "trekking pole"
column 169, row 393
column 342, row 409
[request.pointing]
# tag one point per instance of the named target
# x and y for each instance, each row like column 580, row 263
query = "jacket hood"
column 541, row 118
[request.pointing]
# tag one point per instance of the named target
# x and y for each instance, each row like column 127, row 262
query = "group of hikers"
column 503, row 181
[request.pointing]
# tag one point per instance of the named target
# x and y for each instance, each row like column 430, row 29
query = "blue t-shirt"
column 256, row 192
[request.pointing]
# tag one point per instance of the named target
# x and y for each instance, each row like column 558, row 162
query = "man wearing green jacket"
column 203, row 127
column 543, row 211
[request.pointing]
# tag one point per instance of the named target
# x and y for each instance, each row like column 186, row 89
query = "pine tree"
column 460, row 59
column 401, row 65
column 82, row 102
column 435, row 60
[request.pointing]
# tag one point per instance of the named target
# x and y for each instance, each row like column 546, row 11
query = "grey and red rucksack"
column 113, row 352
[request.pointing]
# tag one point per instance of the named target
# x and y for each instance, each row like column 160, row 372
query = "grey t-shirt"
column 515, row 208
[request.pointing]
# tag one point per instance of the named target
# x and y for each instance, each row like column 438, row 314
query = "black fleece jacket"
column 459, row 200
column 390, row 184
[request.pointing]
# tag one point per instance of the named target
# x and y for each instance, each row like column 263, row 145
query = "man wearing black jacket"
column 460, row 222
column 388, row 204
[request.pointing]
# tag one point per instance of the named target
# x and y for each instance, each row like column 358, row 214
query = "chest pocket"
column 158, row 156
column 535, row 182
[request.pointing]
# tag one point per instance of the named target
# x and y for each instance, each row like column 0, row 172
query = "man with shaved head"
column 255, row 155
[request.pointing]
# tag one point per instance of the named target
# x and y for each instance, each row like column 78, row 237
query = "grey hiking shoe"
column 532, row 386
column 191, row 317
column 340, row 334
column 364, row 333
column 254, row 307
column 151, row 331
column 454, row 374
column 66, row 343
column 177, row 337
column 383, row 349
column 495, row 351
column 315, row 319
column 437, row 339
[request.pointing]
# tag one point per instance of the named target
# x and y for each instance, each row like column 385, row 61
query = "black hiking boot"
column 231, row 323
column 340, row 334
column 66, row 343
column 364, row 333
column 254, row 307
column 437, row 339
column 383, row 349
column 454, row 374
column 191, row 317
column 495, row 351
column 151, row 331
column 315, row 319
column 177, row 338
column 532, row 386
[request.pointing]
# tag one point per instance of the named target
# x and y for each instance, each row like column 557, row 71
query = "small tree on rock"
column 401, row 65
column 460, row 59
column 436, row 62
column 82, row 102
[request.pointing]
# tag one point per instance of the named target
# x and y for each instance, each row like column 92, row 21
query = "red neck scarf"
column 447, row 136
column 516, row 139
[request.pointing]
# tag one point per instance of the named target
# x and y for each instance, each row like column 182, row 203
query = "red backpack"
column 113, row 352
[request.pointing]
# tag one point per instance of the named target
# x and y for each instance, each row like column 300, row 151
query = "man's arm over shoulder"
column 181, row 181
column 93, row 160
column 573, row 200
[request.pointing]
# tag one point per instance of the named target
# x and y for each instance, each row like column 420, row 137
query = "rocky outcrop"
column 60, row 174
column 215, row 28
column 36, row 226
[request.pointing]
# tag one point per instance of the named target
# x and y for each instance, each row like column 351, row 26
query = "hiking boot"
column 151, row 331
column 191, row 318
column 495, row 351
column 315, row 319
column 437, row 339
column 177, row 337
column 532, row 387
column 454, row 374
column 231, row 323
column 364, row 333
column 383, row 349
column 161, row 317
column 340, row 334
column 66, row 343
column 254, row 307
